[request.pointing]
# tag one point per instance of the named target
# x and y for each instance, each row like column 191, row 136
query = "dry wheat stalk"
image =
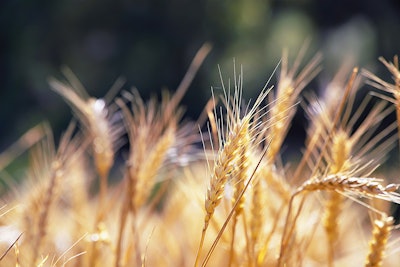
column 224, row 166
column 357, row 186
column 239, row 176
column 151, row 135
column 347, row 147
column 49, row 198
column 241, row 171
column 350, row 148
column 341, row 154
column 353, row 187
column 152, row 131
column 239, row 133
column 290, row 85
column 377, row 245
column 94, row 116
column 150, row 168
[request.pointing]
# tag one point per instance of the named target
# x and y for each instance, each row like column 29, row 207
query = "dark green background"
column 151, row 44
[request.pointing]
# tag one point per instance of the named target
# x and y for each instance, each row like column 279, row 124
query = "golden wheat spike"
column 291, row 83
column 149, row 169
column 359, row 186
column 377, row 245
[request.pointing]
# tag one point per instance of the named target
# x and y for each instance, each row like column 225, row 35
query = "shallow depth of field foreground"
column 212, row 192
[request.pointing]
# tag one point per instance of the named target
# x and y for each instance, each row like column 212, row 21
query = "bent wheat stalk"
column 341, row 183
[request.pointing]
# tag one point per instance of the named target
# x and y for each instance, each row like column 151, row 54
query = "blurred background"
column 151, row 43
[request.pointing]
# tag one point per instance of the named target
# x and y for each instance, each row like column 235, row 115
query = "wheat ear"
column 341, row 149
column 256, row 218
column 239, row 177
column 377, row 245
column 360, row 186
column 352, row 186
column 94, row 116
column 224, row 165
column 230, row 145
column 54, row 165
column 56, row 174
column 290, row 85
column 150, row 168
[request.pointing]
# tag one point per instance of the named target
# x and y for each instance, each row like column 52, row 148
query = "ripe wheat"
column 237, row 203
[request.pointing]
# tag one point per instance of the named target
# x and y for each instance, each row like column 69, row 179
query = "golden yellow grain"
column 224, row 166
column 340, row 154
column 377, row 245
column 256, row 215
column 241, row 171
column 344, row 152
column 347, row 145
column 231, row 141
column 359, row 186
column 43, row 216
column 150, row 168
column 290, row 85
column 94, row 117
column 239, row 176
column 93, row 114
column 333, row 208
column 260, row 218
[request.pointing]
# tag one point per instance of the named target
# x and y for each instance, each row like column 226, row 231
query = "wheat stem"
column 228, row 218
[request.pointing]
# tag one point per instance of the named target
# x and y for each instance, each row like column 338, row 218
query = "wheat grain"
column 256, row 218
column 94, row 116
column 359, row 186
column 377, row 245
column 346, row 143
column 224, row 166
column 341, row 151
column 239, row 176
column 290, row 85
column 333, row 208
column 150, row 168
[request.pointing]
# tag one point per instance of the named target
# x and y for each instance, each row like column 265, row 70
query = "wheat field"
column 230, row 201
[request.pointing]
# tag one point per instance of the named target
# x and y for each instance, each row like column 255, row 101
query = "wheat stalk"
column 290, row 85
column 150, row 168
column 256, row 218
column 359, row 186
column 232, row 144
column 94, row 115
column 341, row 183
column 224, row 165
column 346, row 143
